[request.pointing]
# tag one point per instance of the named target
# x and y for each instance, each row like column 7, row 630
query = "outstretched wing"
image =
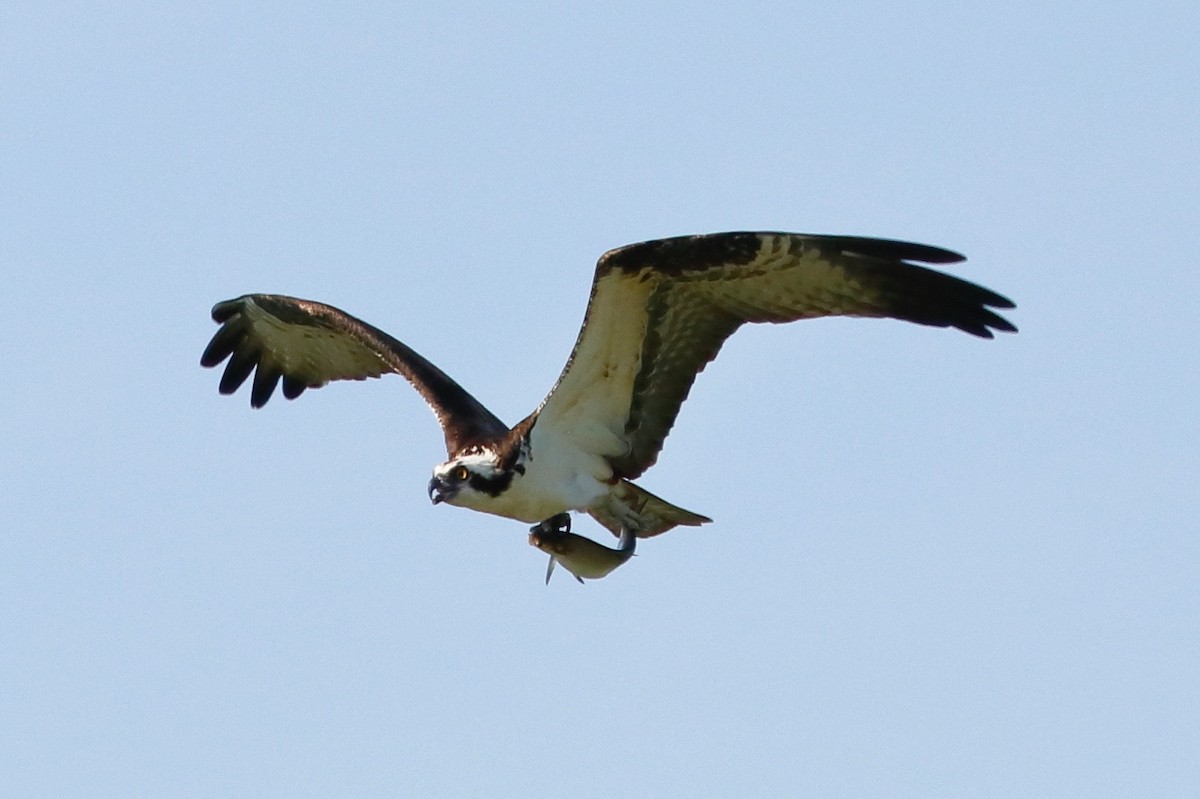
column 306, row 345
column 660, row 311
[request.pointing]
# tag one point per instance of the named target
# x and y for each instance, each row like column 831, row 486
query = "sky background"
column 940, row 566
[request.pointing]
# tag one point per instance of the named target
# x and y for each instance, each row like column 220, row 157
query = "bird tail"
column 651, row 515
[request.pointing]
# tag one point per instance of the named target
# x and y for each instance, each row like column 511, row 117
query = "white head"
column 472, row 479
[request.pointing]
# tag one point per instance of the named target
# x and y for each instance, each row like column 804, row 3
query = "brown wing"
column 660, row 311
column 307, row 344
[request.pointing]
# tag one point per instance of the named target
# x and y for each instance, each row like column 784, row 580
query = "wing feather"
column 660, row 311
column 308, row 344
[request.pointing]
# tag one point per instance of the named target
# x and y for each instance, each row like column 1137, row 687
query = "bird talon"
column 555, row 525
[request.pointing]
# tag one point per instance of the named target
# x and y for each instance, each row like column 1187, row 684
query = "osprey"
column 659, row 312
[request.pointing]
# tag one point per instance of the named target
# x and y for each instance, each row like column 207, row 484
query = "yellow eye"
column 460, row 474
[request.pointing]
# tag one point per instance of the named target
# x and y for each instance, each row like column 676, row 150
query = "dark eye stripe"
column 492, row 486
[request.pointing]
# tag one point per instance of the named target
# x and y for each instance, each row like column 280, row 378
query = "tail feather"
column 648, row 514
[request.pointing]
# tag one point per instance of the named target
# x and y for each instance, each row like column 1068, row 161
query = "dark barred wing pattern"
column 306, row 344
column 702, row 288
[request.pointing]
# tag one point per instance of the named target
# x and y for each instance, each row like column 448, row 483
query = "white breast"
column 558, row 477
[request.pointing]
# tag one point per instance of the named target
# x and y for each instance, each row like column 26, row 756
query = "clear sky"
column 940, row 566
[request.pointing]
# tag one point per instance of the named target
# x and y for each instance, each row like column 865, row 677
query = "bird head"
column 469, row 479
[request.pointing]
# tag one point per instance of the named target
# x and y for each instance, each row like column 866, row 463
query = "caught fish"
column 581, row 556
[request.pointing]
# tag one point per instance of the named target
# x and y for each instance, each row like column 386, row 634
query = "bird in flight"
column 659, row 311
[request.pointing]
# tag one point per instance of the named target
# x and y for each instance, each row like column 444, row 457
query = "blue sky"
column 939, row 567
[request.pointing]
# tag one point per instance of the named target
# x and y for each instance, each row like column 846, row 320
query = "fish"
column 581, row 556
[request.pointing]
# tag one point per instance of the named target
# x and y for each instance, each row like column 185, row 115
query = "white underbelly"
column 529, row 501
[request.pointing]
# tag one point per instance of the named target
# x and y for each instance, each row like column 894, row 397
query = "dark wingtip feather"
column 998, row 322
column 992, row 299
column 237, row 370
column 223, row 343
column 888, row 249
column 265, row 380
column 293, row 387
column 225, row 310
column 927, row 297
column 976, row 329
column 982, row 321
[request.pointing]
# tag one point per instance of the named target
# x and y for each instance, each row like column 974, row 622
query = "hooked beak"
column 438, row 491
